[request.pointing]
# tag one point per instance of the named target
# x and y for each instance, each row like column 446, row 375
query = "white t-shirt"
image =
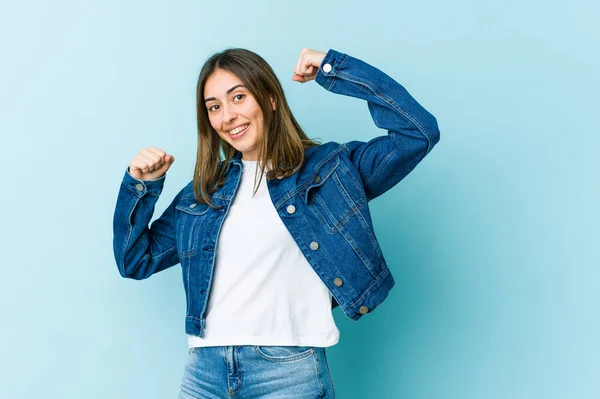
column 264, row 291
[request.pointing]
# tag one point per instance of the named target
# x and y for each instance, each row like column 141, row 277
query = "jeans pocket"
column 284, row 353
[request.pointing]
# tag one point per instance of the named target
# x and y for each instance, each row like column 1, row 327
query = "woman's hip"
column 252, row 371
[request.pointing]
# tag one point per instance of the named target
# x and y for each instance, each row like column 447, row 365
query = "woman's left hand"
column 308, row 64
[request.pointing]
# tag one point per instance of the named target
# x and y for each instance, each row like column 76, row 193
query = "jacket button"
column 139, row 187
column 327, row 68
column 317, row 179
column 291, row 209
column 338, row 282
column 314, row 245
column 363, row 310
column 193, row 205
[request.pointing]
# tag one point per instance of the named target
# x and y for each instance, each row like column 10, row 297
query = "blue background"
column 492, row 239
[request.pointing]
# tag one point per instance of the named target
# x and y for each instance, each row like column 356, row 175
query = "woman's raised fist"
column 307, row 65
column 150, row 164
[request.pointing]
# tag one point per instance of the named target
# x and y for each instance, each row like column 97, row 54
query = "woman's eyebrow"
column 228, row 92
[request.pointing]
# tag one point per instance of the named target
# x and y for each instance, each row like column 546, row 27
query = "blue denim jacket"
column 324, row 204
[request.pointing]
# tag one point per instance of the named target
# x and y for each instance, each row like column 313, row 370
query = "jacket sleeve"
column 139, row 250
column 412, row 131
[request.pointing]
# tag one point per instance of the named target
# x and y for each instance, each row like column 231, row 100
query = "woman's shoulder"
column 324, row 152
column 326, row 155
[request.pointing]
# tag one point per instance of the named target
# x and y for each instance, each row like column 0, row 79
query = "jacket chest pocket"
column 192, row 225
column 333, row 195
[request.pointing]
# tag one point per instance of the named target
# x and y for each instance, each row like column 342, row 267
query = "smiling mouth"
column 238, row 130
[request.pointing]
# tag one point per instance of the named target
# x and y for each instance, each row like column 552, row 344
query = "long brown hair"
column 284, row 142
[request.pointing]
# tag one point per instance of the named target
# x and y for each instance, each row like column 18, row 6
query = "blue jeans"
column 252, row 372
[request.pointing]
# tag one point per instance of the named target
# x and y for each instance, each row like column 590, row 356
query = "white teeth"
column 238, row 129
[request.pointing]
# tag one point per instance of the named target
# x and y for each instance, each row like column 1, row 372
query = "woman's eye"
column 213, row 108
column 239, row 97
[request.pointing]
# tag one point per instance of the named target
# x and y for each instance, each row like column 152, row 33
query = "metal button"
column 291, row 209
column 327, row 68
column 314, row 245
column 338, row 282
column 363, row 310
column 193, row 205
column 317, row 179
column 139, row 187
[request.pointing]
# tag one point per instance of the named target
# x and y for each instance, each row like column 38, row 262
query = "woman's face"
column 234, row 113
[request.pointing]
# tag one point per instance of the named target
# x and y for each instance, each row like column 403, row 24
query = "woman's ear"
column 273, row 103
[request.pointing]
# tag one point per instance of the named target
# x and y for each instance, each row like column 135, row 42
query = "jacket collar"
column 237, row 160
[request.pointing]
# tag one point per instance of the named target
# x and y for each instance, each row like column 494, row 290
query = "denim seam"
column 140, row 194
column 185, row 209
column 188, row 300
column 129, row 230
column 350, row 240
column 318, row 370
column 323, row 179
column 381, row 166
column 192, row 243
column 337, row 224
column 137, row 193
column 143, row 236
column 236, row 360
column 320, row 215
column 424, row 131
column 180, row 230
column 356, row 184
column 355, row 207
column 377, row 280
column 300, row 188
column 293, row 358
column 333, row 75
column 162, row 254
column 318, row 168
column 309, row 257
column 371, row 233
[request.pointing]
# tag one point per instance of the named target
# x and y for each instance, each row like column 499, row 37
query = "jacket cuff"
column 143, row 187
column 329, row 68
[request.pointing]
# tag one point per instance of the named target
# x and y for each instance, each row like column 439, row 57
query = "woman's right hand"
column 150, row 164
column 307, row 65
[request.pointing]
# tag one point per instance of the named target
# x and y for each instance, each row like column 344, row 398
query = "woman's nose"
column 229, row 114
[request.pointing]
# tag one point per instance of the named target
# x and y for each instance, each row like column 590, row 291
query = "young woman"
column 274, row 231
